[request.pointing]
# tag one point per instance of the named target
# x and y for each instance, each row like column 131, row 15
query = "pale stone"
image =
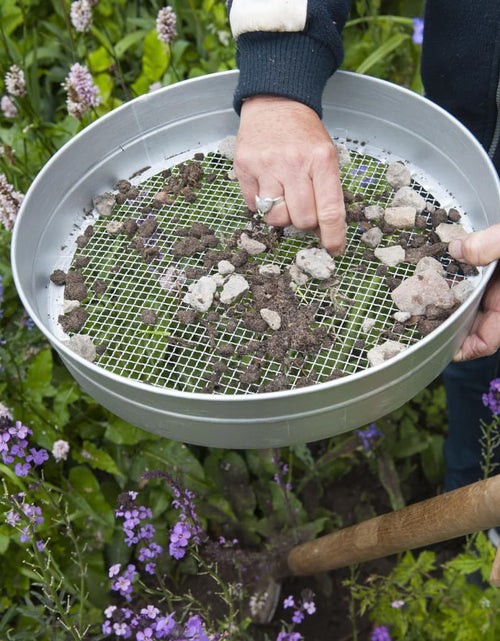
column 201, row 294
column 114, row 227
column 383, row 352
column 398, row 175
column 225, row 267
column 401, row 217
column 368, row 324
column 390, row 256
column 268, row 269
column 373, row 212
column 401, row 317
column 297, row 275
column 250, row 245
column 462, row 290
column 70, row 305
column 428, row 262
column 226, row 147
column 343, row 155
column 82, row 345
column 272, row 318
column 104, row 203
column 408, row 197
column 449, row 231
column 316, row 262
column 235, row 287
column 415, row 293
column 372, row 237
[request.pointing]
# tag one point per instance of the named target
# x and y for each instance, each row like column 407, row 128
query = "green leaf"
column 128, row 41
column 120, row 432
column 39, row 374
column 87, row 496
column 155, row 57
column 96, row 458
column 382, row 52
column 99, row 60
column 465, row 564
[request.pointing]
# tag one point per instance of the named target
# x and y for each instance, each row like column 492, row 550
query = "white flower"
column 60, row 450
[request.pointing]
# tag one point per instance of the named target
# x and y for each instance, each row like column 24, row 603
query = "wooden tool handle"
column 469, row 509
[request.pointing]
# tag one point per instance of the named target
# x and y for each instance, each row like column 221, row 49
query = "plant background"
column 262, row 498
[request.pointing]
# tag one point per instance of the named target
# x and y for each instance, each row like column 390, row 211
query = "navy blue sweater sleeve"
column 292, row 64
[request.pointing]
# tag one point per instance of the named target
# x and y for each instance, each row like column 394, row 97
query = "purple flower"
column 368, row 435
column 165, row 25
column 164, row 626
column 15, row 82
column 82, row 92
column 289, row 636
column 8, row 107
column 150, row 612
column 10, row 202
column 179, row 539
column 298, row 616
column 492, row 398
column 418, row 31
column 380, row 633
column 81, row 15
column 22, row 469
column 195, row 629
column 37, row 456
column 289, row 602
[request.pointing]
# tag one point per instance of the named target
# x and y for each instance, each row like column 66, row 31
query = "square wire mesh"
column 180, row 356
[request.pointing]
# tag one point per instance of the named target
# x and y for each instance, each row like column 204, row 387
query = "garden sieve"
column 156, row 377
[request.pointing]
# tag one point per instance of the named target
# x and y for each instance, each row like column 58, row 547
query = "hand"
column 481, row 248
column 283, row 149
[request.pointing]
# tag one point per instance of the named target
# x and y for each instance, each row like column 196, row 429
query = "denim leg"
column 465, row 383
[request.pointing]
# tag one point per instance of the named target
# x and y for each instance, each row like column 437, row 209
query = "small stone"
column 401, row 217
column 297, row 275
column 373, row 212
column 417, row 292
column 428, row 262
column 398, row 175
column 408, row 197
column 343, row 155
column 83, row 346
column 272, row 318
column 235, row 287
column 390, row 256
column 372, row 237
column 368, row 324
column 401, row 317
column 462, row 290
column 449, row 231
column 201, row 294
column 114, row 227
column 268, row 269
column 383, row 352
column 225, row 267
column 316, row 262
column 250, row 245
column 104, row 203
column 149, row 317
column 70, row 305
column 226, row 147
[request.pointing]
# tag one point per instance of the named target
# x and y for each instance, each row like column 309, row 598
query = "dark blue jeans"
column 465, row 383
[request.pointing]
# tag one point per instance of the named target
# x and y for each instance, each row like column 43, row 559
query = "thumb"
column 477, row 248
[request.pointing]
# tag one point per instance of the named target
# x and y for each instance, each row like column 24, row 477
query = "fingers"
column 477, row 248
column 284, row 150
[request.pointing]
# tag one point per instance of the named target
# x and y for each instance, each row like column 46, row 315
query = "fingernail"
column 455, row 249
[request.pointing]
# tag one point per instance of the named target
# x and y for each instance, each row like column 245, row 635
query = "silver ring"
column 263, row 205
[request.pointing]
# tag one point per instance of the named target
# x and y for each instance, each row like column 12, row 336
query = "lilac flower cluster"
column 418, row 31
column 82, row 92
column 10, row 202
column 81, row 15
column 14, row 446
column 136, row 531
column 305, row 605
column 368, row 436
column 380, row 633
column 15, row 82
column 25, row 517
column 165, row 25
column 491, row 400
column 8, row 107
column 149, row 625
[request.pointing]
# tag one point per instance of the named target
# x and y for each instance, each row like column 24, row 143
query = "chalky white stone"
column 390, row 256
column 200, row 295
column 82, row 345
column 408, row 197
column 235, row 287
column 372, row 237
column 272, row 318
column 398, row 175
column 415, row 293
column 373, row 212
column 383, row 352
column 449, row 231
column 316, row 262
column 104, row 203
column 250, row 245
column 401, row 217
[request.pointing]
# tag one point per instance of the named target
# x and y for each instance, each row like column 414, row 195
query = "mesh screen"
column 181, row 356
